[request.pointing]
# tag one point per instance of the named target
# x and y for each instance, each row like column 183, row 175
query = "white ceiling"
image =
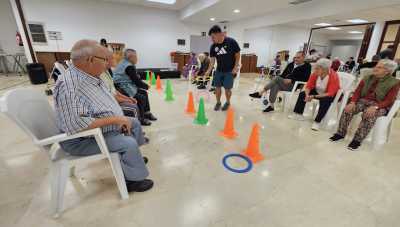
column 371, row 15
column 180, row 4
column 223, row 10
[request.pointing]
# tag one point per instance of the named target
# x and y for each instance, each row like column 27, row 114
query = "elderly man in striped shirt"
column 82, row 102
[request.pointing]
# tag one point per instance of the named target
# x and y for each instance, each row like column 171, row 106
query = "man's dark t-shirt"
column 225, row 54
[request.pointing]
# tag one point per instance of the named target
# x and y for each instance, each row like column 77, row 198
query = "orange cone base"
column 191, row 113
column 229, row 135
column 254, row 157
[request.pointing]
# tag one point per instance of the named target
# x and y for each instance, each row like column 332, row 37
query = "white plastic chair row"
column 289, row 96
column 336, row 108
column 31, row 111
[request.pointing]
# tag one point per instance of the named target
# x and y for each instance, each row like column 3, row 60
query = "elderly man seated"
column 323, row 85
column 295, row 71
column 373, row 97
column 127, row 79
column 82, row 102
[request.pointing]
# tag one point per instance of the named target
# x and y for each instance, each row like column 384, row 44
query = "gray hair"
column 84, row 48
column 202, row 57
column 126, row 52
column 324, row 63
column 389, row 65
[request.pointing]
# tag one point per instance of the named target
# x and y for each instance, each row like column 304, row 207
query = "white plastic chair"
column 336, row 108
column 31, row 111
column 288, row 97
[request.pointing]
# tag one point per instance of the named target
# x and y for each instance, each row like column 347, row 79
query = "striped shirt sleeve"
column 74, row 114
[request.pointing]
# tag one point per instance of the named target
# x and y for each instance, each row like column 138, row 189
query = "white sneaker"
column 296, row 117
column 315, row 126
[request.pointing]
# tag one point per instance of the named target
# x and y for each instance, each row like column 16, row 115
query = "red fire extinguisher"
column 18, row 38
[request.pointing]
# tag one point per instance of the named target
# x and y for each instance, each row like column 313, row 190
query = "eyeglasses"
column 103, row 59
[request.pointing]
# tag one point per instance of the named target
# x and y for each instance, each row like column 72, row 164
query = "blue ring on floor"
column 245, row 170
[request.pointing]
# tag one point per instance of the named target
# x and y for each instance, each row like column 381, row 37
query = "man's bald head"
column 89, row 56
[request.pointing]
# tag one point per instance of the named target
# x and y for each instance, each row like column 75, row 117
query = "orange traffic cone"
column 253, row 148
column 229, row 130
column 190, row 104
column 158, row 84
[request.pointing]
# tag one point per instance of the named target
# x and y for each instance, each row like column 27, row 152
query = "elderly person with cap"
column 130, row 83
column 323, row 85
column 373, row 97
column 83, row 102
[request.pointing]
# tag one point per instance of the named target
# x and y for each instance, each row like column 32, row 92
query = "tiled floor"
column 304, row 180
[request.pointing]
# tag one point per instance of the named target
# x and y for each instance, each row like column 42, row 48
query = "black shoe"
column 268, row 109
column 217, row 106
column 194, row 82
column 354, row 145
column 226, row 106
column 212, row 89
column 202, row 86
column 150, row 116
column 139, row 186
column 145, row 122
column 255, row 95
column 336, row 137
column 146, row 140
column 279, row 100
column 145, row 159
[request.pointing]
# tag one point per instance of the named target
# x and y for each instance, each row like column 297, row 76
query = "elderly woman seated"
column 323, row 85
column 374, row 96
column 200, row 75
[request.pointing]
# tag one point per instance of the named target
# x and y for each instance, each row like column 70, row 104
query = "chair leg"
column 59, row 175
column 119, row 175
column 72, row 171
column 380, row 132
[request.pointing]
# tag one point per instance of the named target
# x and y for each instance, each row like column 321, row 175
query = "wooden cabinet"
column 249, row 63
column 48, row 58
column 181, row 59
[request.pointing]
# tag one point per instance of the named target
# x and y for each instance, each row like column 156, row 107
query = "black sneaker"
column 217, row 106
column 226, row 106
column 201, row 87
column 150, row 116
column 336, row 137
column 255, row 95
column 354, row 145
column 139, row 186
column 145, row 159
column 212, row 89
column 268, row 109
column 145, row 122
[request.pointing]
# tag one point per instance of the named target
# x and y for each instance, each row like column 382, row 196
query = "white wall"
column 8, row 30
column 266, row 42
column 152, row 32
column 344, row 49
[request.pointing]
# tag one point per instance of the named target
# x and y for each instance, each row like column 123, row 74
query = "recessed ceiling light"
column 169, row 2
column 236, row 11
column 212, row 19
column 357, row 21
column 333, row 28
column 355, row 32
column 322, row 24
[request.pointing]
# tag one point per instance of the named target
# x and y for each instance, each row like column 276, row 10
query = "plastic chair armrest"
column 64, row 137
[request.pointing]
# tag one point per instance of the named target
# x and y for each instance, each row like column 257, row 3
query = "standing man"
column 227, row 52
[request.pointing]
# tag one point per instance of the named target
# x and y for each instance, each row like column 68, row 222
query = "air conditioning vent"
column 298, row 2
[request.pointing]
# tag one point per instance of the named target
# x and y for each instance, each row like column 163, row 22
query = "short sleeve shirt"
column 225, row 54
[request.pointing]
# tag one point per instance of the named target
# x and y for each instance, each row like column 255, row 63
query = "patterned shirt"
column 80, row 99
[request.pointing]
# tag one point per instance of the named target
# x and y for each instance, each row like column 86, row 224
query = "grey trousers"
column 132, row 162
column 275, row 86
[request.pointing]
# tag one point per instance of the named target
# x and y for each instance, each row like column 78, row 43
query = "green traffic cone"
column 169, row 96
column 201, row 118
column 153, row 79
column 147, row 76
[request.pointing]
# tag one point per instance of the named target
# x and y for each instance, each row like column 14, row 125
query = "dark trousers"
column 143, row 102
column 324, row 104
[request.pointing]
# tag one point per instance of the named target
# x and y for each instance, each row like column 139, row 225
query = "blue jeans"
column 222, row 79
column 132, row 162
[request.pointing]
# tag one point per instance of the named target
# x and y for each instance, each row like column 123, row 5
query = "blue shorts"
column 223, row 80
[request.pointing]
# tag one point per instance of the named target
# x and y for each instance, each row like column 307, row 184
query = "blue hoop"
column 245, row 170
